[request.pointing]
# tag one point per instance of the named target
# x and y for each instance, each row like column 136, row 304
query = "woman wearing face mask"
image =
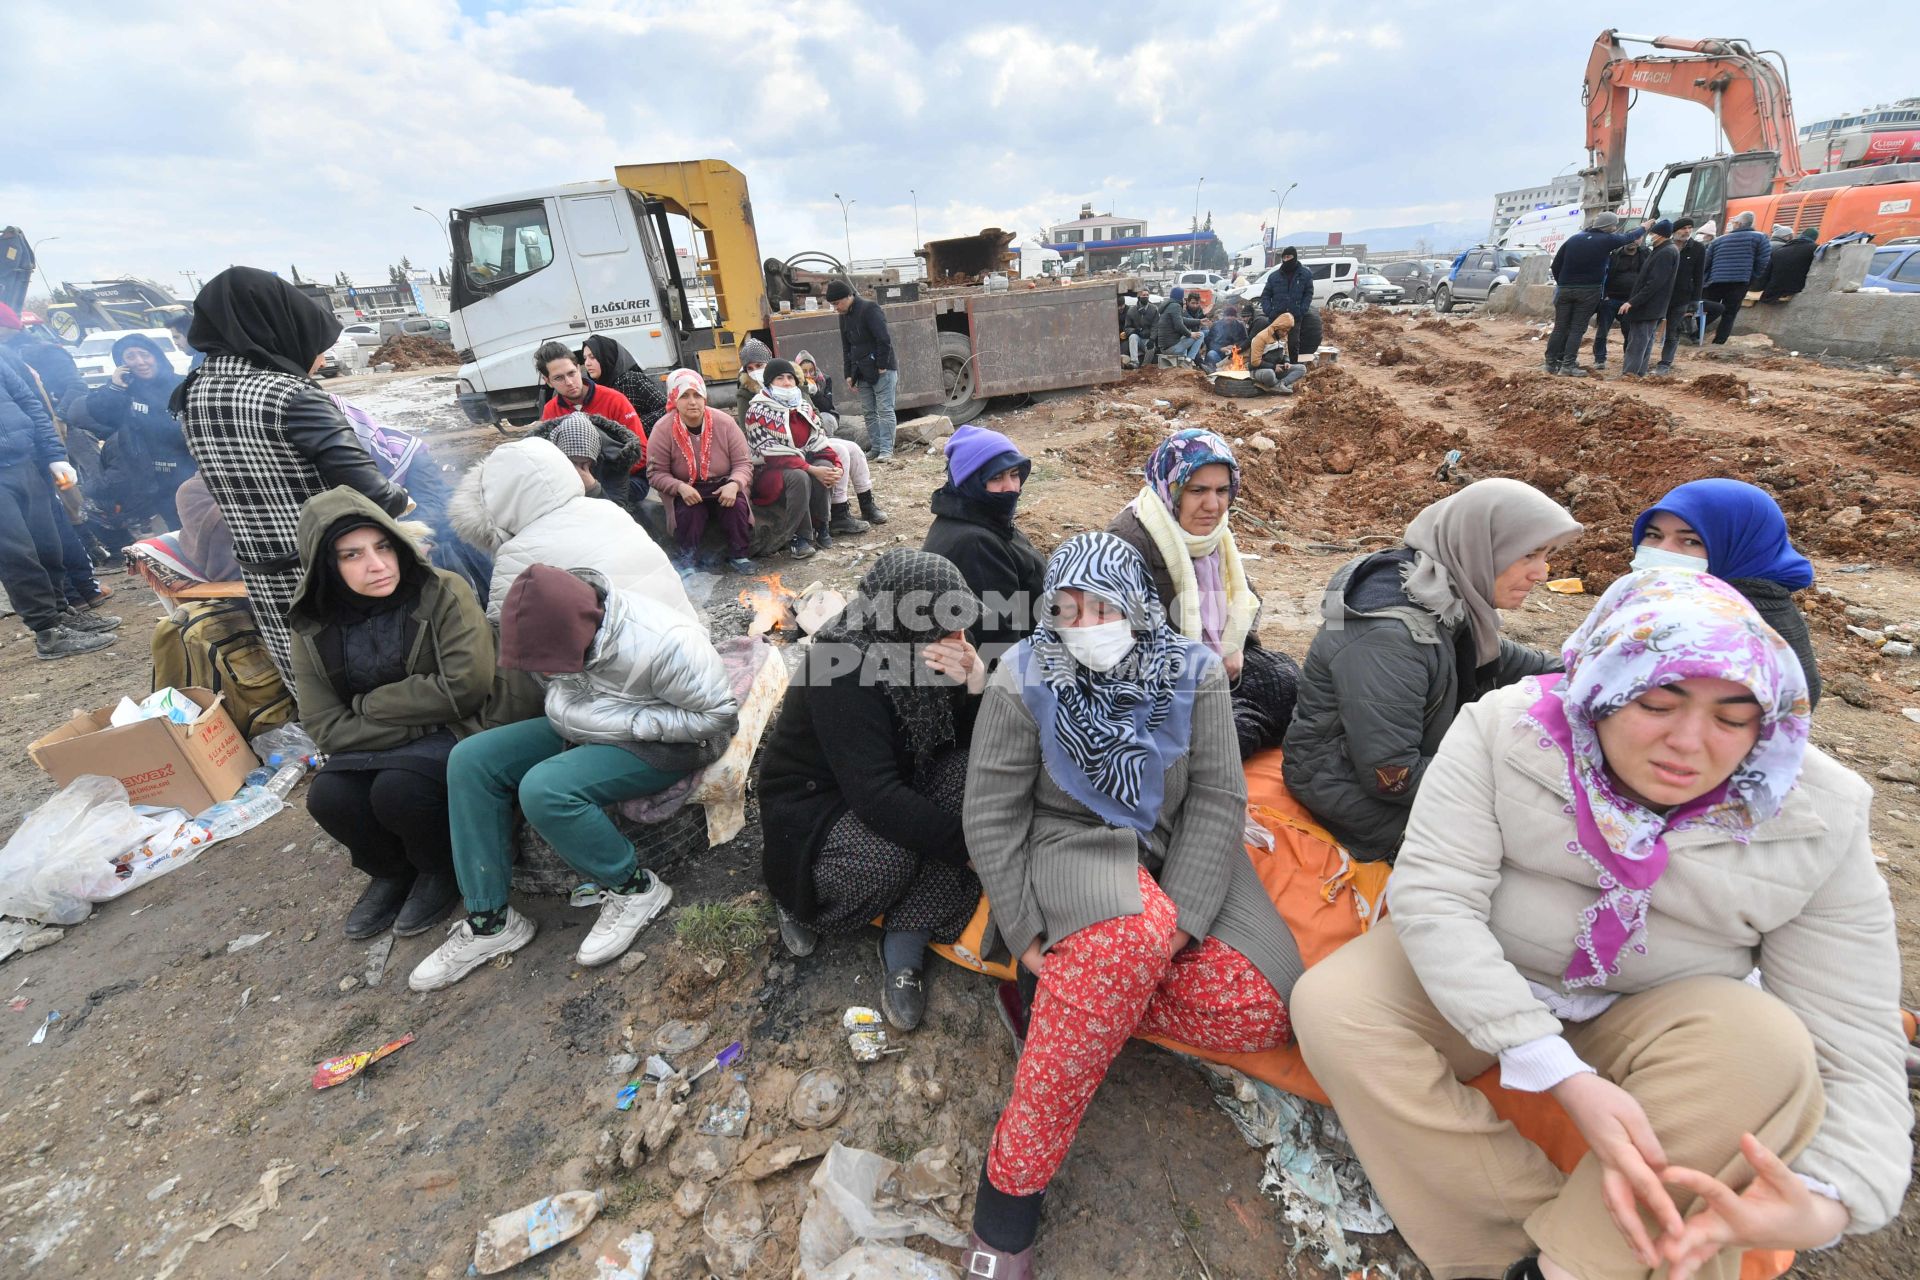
column 393, row 663
column 754, row 355
column 861, row 783
column 783, row 430
column 1736, row 532
column 1105, row 812
column 973, row 527
column 1595, row 864
column 266, row 437
column 1411, row 636
column 1179, row 525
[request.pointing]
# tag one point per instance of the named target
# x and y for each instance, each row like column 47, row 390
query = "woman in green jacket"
column 393, row 663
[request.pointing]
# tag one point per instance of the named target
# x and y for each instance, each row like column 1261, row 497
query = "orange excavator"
column 1753, row 108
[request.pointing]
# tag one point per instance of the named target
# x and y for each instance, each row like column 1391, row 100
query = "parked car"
column 1415, row 278
column 1481, row 273
column 1369, row 286
column 364, row 332
column 371, row 333
column 1332, row 281
column 1895, row 268
column 94, row 356
column 1211, row 285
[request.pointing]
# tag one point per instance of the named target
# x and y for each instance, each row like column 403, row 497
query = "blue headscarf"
column 1107, row 737
column 1742, row 527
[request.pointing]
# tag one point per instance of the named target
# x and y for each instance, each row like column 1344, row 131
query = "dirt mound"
column 1392, row 353
column 1719, row 386
column 412, row 351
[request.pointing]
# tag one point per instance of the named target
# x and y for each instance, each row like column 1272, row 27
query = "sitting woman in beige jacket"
column 1638, row 887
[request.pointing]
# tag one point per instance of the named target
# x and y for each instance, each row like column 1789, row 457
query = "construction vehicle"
column 561, row 263
column 1753, row 109
column 97, row 305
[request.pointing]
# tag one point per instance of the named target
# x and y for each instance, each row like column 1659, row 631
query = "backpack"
column 215, row 645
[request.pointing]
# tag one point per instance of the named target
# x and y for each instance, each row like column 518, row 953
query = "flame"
column 1235, row 361
column 772, row 604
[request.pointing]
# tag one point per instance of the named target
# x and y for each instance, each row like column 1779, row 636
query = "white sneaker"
column 622, row 917
column 464, row 951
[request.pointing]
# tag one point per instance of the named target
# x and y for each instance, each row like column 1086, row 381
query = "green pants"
column 562, row 789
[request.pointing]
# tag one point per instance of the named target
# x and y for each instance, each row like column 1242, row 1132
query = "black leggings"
column 393, row 821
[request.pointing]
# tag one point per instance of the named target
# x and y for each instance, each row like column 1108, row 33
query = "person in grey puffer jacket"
column 1411, row 636
column 636, row 699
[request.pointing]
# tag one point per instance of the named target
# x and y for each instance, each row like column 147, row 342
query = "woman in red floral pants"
column 1104, row 815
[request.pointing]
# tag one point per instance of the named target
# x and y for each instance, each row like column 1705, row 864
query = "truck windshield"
column 496, row 247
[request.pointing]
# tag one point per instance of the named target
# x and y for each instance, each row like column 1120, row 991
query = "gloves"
column 64, row 475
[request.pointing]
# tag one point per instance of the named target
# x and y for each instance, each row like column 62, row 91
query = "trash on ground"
column 819, row 1098
column 846, row 1208
column 344, row 1068
column 246, row 940
column 1567, row 587
column 40, row 1036
column 658, row 1069
column 40, row 940
column 725, row 1058
column 19, row 1003
column 622, row 1064
column 870, row 1046
column 819, row 605
column 377, row 956
column 288, row 741
column 87, row 844
column 627, row 1260
column 245, row 1217
column 887, row 1262
column 861, row 1018
column 164, row 1188
column 12, row 933
column 1911, row 713
column 161, row 704
column 729, row 1118
column 677, row 1037
column 515, row 1237
column 735, row 1226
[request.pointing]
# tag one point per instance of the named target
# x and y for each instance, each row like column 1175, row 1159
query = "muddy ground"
column 178, row 1073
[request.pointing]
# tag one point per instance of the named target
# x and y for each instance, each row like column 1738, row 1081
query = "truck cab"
column 560, row 264
column 1700, row 190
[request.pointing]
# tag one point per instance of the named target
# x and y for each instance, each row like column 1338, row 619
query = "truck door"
column 509, row 291
column 612, row 269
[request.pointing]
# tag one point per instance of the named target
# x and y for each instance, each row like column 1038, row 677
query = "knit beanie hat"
column 1605, row 221
column 1663, row 228
column 1781, row 233
column 839, row 289
column 9, row 318
column 971, row 449
column 754, row 351
column 577, row 437
column 774, row 369
column 549, row 621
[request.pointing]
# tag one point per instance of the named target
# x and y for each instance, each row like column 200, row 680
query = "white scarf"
column 1180, row 549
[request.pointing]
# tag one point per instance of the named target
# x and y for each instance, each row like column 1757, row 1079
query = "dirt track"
column 504, row 1095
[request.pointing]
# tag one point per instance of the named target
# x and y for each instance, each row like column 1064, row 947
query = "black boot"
column 870, row 510
column 844, row 522
column 822, row 536
column 1525, row 1269
column 431, row 898
column 378, row 907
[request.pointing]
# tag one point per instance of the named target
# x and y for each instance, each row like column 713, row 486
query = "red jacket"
column 609, row 404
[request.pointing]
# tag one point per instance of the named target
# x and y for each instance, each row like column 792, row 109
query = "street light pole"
column 192, row 282
column 443, row 230
column 916, row 216
column 45, row 283
column 1279, row 204
column 846, row 229
column 1193, row 252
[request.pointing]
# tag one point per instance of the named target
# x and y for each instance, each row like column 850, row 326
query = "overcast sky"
column 155, row 137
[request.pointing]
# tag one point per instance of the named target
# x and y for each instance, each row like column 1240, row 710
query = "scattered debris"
column 40, row 1036
column 245, row 1217
column 628, row 1260
column 377, row 955
column 855, row 1198
column 165, row 1188
column 728, row 1118
column 735, row 1226
column 1567, row 587
column 344, row 1068
column 819, row 1098
column 514, row 1237
column 725, row 1058
column 246, row 940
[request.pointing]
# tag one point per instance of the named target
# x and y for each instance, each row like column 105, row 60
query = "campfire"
column 771, row 603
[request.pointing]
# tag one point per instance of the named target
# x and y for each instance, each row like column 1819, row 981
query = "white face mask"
column 788, row 396
column 1099, row 647
column 1646, row 557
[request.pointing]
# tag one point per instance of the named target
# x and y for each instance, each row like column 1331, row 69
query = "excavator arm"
column 1747, row 92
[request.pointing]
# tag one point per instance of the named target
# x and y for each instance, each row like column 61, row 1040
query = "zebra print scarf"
column 1107, row 738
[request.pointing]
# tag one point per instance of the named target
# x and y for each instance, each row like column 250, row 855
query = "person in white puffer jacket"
column 525, row 502
column 636, row 698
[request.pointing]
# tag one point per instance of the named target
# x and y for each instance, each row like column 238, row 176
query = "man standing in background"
column 872, row 368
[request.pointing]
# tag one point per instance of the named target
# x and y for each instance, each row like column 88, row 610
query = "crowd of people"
column 1266, row 339
column 1622, row 873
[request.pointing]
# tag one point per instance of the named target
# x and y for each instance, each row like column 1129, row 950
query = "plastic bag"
column 86, row 845
column 288, row 741
column 845, row 1209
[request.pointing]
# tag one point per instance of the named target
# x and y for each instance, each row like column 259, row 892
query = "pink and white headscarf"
column 684, row 380
column 1652, row 629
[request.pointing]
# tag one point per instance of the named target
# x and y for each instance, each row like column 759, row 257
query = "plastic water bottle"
column 247, row 810
column 286, row 778
column 264, row 774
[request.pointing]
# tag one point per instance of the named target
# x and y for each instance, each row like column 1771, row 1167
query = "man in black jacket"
column 1686, row 294
column 1141, row 318
column 1623, row 269
column 1652, row 293
column 1579, row 274
column 1787, row 269
column 872, row 369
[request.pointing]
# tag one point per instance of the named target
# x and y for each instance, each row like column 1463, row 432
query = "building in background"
column 1108, row 242
column 1875, row 135
column 1509, row 205
column 1088, row 229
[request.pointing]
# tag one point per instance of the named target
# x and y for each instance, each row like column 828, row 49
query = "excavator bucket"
column 968, row 260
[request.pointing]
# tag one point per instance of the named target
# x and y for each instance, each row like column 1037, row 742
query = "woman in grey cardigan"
column 1104, row 814
column 1639, row 888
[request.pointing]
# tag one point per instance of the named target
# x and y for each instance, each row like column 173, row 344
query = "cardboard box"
column 182, row 766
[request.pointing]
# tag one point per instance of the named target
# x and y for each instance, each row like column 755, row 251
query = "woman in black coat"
column 973, row 527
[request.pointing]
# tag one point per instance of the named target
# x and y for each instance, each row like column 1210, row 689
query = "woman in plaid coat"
column 266, row 437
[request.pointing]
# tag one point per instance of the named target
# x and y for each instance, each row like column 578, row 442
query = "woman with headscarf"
column 393, row 662
column 1411, row 635
column 699, row 463
column 1105, row 814
column 1594, row 867
column 1179, row 524
column 636, row 699
column 611, row 365
column 819, row 389
column 861, row 783
column 145, row 455
column 1736, row 532
column 267, row 438
column 973, row 527
column 783, row 431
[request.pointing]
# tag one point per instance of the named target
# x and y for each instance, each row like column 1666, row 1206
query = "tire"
column 957, row 371
column 1443, row 299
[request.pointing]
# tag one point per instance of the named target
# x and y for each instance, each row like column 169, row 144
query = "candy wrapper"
column 344, row 1068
